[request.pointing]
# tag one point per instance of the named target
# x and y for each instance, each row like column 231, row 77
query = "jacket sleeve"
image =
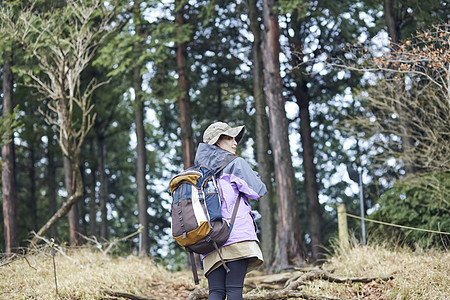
column 247, row 181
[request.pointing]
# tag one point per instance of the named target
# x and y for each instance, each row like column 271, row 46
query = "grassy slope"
column 417, row 275
column 85, row 274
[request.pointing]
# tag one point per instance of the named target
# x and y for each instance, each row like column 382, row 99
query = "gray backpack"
column 197, row 222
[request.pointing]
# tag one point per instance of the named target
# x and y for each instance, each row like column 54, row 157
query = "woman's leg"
column 216, row 284
column 234, row 282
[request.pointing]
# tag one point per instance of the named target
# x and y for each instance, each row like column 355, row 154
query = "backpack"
column 196, row 219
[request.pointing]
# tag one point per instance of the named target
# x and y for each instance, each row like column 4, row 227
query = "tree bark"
column 141, row 162
column 313, row 207
column 81, row 205
column 64, row 209
column 394, row 20
column 140, row 138
column 93, row 194
column 102, row 179
column 264, row 159
column 8, row 167
column 184, row 105
column 73, row 216
column 288, row 236
column 33, row 198
column 51, row 180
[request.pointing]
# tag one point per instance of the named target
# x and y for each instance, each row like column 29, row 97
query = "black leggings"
column 229, row 284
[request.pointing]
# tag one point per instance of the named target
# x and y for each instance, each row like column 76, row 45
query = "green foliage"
column 208, row 12
column 315, row 30
column 153, row 44
column 417, row 14
column 218, row 72
column 219, row 68
column 420, row 202
column 289, row 6
column 117, row 54
column 164, row 36
column 9, row 125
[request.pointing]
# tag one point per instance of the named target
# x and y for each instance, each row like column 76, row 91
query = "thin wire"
column 395, row 225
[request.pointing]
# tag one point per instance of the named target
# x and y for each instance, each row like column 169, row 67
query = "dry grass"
column 417, row 275
column 87, row 274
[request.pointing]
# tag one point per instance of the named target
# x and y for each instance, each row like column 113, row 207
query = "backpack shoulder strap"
column 235, row 210
column 224, row 163
column 194, row 266
column 219, row 169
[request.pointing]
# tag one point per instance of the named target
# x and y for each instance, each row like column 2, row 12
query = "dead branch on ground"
column 120, row 295
column 293, row 283
column 53, row 245
column 104, row 248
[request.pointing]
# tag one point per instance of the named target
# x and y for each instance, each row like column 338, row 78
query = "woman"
column 238, row 182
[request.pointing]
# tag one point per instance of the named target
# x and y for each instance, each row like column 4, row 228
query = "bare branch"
column 53, row 245
column 63, row 50
column 406, row 112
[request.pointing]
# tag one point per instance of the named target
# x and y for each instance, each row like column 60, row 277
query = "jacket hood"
column 210, row 155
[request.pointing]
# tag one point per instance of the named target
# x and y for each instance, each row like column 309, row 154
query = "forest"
column 104, row 101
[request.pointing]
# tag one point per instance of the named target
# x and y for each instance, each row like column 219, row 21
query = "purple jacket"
column 237, row 177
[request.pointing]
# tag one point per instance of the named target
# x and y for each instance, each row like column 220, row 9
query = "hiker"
column 237, row 182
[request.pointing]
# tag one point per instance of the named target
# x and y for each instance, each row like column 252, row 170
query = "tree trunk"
column 140, row 138
column 64, row 209
column 73, row 211
column 93, row 206
column 392, row 21
column 8, row 167
column 81, row 206
column 141, row 162
column 288, row 236
column 92, row 197
column 313, row 207
column 184, row 105
column 264, row 159
column 394, row 18
column 102, row 179
column 51, row 180
column 33, row 198
column 69, row 105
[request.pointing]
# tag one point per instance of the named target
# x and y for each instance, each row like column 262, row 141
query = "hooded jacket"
column 237, row 178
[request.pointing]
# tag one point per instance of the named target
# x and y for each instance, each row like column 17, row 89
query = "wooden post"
column 342, row 227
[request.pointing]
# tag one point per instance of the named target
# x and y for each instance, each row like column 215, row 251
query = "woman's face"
column 227, row 143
